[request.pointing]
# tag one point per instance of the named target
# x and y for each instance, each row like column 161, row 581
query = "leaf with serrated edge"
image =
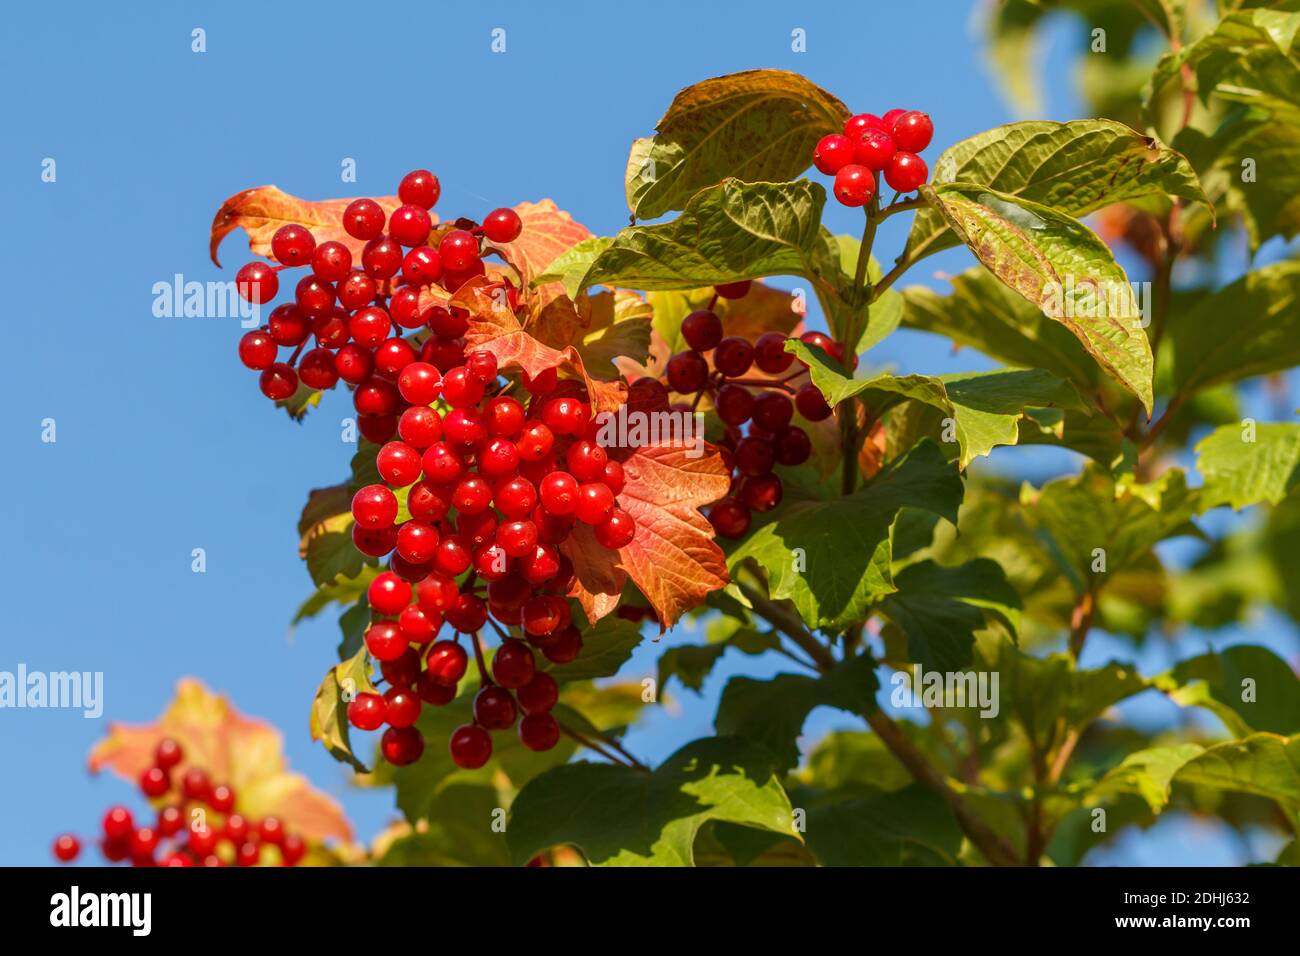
column 1247, row 464
column 759, row 126
column 263, row 210
column 619, row 816
column 1060, row 265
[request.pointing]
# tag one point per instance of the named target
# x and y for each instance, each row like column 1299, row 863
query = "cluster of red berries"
column 755, row 411
column 199, row 827
column 871, row 145
column 492, row 489
column 355, row 317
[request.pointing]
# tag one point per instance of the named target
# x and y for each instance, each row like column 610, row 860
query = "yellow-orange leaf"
column 244, row 752
column 261, row 211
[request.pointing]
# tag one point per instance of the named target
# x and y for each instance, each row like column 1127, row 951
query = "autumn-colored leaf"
column 495, row 328
column 263, row 210
column 673, row 559
column 244, row 752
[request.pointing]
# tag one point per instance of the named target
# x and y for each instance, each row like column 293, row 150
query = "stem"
column 483, row 676
column 764, row 382
column 1081, row 622
column 995, row 849
column 904, row 263
column 627, row 760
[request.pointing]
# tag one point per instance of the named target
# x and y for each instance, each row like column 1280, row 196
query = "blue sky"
column 164, row 442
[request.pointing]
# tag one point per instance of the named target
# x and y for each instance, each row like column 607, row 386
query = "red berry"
column 354, row 364
column 539, row 695
column 535, row 442
column 374, row 542
column 168, row 753
column 770, row 355
column 404, row 305
column 419, row 426
column 762, row 493
column 855, row 126
column 257, row 350
column 388, row 594
column 381, row 258
column 730, row 518
column 317, row 369
column 356, row 291
column 687, row 372
column 370, row 326
column 559, row 493
column 811, row 404
column 433, row 693
column 482, row 366
column 377, row 397
column 539, row 732
column 459, row 250
column 66, row 848
column 544, row 382
column 854, row 185
column 401, row 745
column 517, row 538
column 401, row 707
column 772, row 411
column 392, row 356
column 409, row 225
column 614, row 477
column 331, row 261
column 564, row 645
column 460, row 389
column 514, row 665
column 363, row 219
column 418, row 625
column 564, row 416
column 384, row 640
column 469, row 615
column 222, row 798
column 505, row 416
column 586, row 461
column 472, row 495
column 734, row 404
column 912, row 131
column 453, row 558
column 874, row 150
column 616, row 531
column 905, row 172
column 288, row 326
column 404, row 671
column 279, row 382
column 702, row 330
column 143, row 843
column 293, row 245
column 733, row 356
column 887, row 121
column 755, row 456
column 419, row 188
column 417, row 542
column 502, row 225
column 833, row 152
column 494, row 708
column 595, row 503
column 292, row 849
column 733, row 290
column 374, row 507
column 543, row 614
column 154, row 782
column 257, row 282
column 195, row 784
column 366, row 711
column 515, row 497
column 377, row 429
column 398, row 464
column 313, row 296
column 470, row 747
column 271, row 830
column 118, row 823
column 446, row 663
column 421, row 266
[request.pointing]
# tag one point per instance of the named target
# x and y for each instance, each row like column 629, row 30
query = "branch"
column 1081, row 622
column 995, row 849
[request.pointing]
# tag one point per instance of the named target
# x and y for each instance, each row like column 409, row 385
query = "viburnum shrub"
column 565, row 437
column 217, row 794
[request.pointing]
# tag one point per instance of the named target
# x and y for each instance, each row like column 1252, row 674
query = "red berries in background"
column 197, row 825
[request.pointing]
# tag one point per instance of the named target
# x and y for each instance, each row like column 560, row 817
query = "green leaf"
column 329, row 711
column 909, row 827
column 1147, row 774
column 325, row 536
column 726, row 233
column 618, row 816
column 1074, row 168
column 1247, row 58
column 571, row 266
column 851, row 759
column 1266, row 765
column 300, row 402
column 1249, row 688
column 1263, row 335
column 983, row 314
column 772, row 712
column 759, row 126
column 985, row 408
column 1099, row 527
column 1059, row 265
column 938, row 609
column 1250, row 463
column 841, row 567
column 605, row 648
column 459, row 832
column 342, row 590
